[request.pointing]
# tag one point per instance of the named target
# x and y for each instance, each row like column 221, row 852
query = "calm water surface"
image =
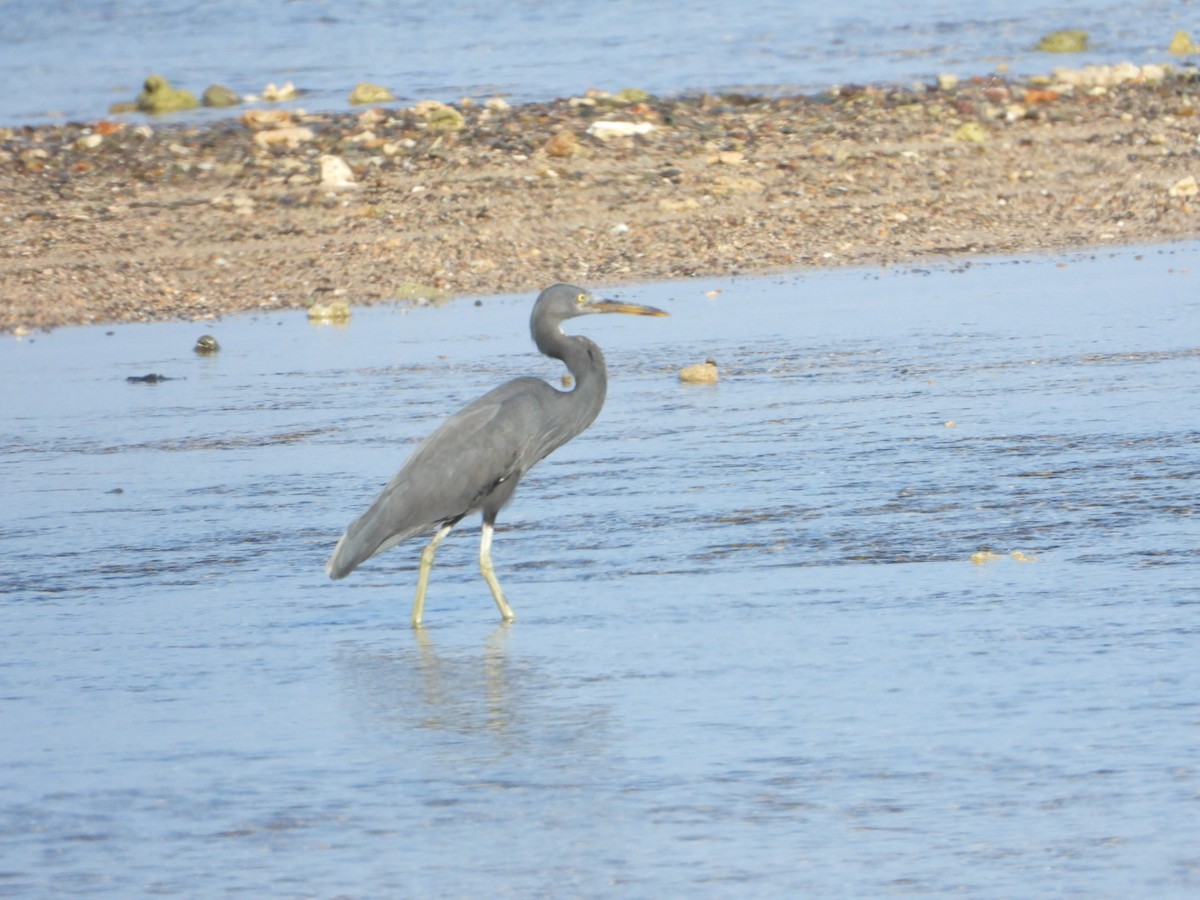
column 61, row 59
column 752, row 657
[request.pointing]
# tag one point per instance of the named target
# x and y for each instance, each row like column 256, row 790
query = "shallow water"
column 69, row 60
column 752, row 654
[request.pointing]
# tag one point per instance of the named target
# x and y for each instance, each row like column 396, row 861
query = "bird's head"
column 565, row 301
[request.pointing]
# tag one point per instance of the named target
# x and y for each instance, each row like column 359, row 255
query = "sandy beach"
column 113, row 221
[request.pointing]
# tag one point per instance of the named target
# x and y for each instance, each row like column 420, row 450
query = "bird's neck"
column 586, row 364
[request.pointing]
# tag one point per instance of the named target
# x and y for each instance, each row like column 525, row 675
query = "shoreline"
column 110, row 222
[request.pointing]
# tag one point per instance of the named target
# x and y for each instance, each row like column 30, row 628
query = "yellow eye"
column 581, row 298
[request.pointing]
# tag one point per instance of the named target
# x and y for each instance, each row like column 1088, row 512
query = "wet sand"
column 120, row 222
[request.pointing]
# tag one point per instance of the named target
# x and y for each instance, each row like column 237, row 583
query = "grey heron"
column 475, row 459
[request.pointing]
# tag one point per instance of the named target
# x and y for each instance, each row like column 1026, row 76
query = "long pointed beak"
column 612, row 306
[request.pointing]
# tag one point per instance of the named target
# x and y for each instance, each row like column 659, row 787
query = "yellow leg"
column 489, row 573
column 427, row 556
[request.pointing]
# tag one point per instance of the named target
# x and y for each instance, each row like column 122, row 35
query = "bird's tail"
column 374, row 531
column 341, row 562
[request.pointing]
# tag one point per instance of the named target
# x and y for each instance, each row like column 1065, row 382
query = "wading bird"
column 476, row 458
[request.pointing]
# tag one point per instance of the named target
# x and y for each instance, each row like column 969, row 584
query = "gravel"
column 111, row 222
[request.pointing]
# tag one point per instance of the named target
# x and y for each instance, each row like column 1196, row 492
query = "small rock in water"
column 217, row 95
column 1182, row 44
column 365, row 93
column 206, row 343
column 1068, row 40
column 700, row 373
column 158, row 96
column 337, row 311
column 273, row 94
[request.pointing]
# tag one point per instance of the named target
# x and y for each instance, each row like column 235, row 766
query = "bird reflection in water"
column 470, row 704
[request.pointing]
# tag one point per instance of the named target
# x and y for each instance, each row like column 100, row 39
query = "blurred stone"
column 438, row 116
column 631, row 95
column 564, row 143
column 273, row 94
column 365, row 93
column 158, row 96
column 206, row 344
column 293, row 137
column 336, row 174
column 1184, row 187
column 606, row 131
column 1182, row 44
column 700, row 373
column 266, row 118
column 217, row 95
column 971, row 131
column 337, row 312
column 1068, row 40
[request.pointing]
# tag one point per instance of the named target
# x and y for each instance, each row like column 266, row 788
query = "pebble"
column 1184, row 187
column 1182, row 44
column 1068, row 40
column 158, row 96
column 293, row 136
column 606, row 131
column 365, row 93
column 728, row 158
column 971, row 131
column 217, row 95
column 438, row 116
column 273, row 94
column 564, row 143
column 256, row 119
column 338, row 311
column 1109, row 76
column 336, row 174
